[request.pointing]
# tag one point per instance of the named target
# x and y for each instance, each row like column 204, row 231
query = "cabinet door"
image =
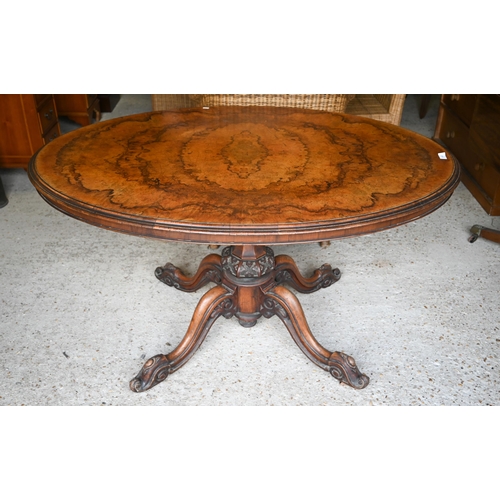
column 20, row 133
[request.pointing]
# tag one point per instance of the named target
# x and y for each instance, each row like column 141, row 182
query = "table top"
column 244, row 175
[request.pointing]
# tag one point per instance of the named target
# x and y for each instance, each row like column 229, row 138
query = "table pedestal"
column 249, row 284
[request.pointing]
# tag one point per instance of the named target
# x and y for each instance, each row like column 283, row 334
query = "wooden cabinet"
column 469, row 126
column 27, row 122
column 81, row 108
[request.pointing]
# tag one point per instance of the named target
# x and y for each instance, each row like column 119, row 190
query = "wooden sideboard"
column 469, row 126
column 27, row 122
column 83, row 109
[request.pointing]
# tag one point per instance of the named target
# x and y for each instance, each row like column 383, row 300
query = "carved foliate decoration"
column 270, row 307
column 227, row 308
column 247, row 268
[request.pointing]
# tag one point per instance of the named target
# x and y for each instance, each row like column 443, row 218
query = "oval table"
column 246, row 177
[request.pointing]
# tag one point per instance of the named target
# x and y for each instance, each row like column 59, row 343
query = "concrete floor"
column 81, row 310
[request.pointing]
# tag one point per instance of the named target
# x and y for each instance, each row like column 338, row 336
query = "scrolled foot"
column 288, row 272
column 344, row 369
column 154, row 371
column 209, row 271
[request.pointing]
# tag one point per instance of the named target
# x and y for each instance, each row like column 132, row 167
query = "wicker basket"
column 166, row 102
column 384, row 107
column 336, row 103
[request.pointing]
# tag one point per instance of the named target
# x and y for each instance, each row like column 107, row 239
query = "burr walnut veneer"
column 245, row 177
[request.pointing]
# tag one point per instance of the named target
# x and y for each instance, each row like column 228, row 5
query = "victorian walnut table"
column 246, row 177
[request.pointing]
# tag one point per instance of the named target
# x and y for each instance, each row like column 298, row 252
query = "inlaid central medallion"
column 244, row 156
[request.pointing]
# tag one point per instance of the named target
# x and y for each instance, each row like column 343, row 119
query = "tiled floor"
column 80, row 310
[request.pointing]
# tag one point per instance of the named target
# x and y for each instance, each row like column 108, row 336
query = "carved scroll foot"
column 217, row 302
column 209, row 271
column 284, row 304
column 288, row 272
column 154, row 371
column 344, row 369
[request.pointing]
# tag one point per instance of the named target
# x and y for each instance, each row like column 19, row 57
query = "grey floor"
column 81, row 310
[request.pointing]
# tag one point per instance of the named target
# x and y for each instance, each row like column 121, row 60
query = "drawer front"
column 487, row 176
column 51, row 134
column 47, row 115
column 456, row 136
column 462, row 105
column 485, row 129
column 40, row 98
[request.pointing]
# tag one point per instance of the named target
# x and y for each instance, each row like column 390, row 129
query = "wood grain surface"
column 244, row 175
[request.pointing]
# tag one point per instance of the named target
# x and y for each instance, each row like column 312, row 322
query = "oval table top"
column 244, row 175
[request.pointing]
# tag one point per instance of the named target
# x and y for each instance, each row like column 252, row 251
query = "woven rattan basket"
column 335, row 103
column 384, row 107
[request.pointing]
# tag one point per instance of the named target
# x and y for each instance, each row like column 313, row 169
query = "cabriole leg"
column 209, row 271
column 286, row 306
column 216, row 302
